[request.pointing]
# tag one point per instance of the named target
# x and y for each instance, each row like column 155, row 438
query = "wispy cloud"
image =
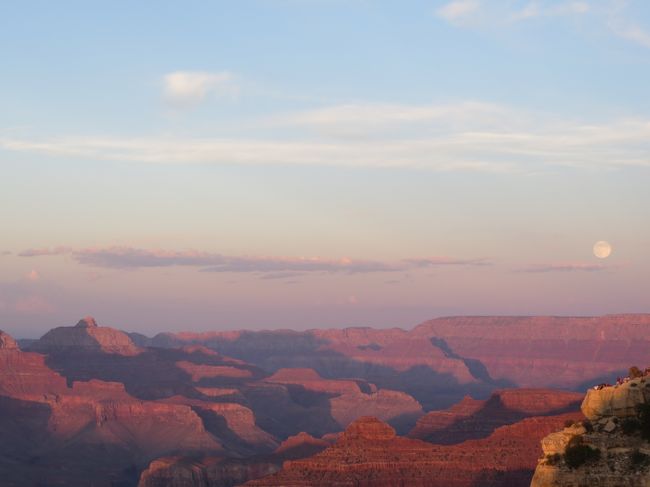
column 45, row 251
column 538, row 8
column 267, row 267
column 502, row 12
column 134, row 258
column 631, row 32
column 280, row 275
column 458, row 10
column 447, row 261
column 188, row 88
column 609, row 15
column 565, row 267
column 468, row 136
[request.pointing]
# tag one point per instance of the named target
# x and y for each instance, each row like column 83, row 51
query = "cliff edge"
column 609, row 449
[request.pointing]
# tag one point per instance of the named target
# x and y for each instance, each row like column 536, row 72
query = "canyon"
column 464, row 400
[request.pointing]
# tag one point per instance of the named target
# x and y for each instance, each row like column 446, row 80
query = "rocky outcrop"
column 369, row 453
column 203, row 472
column 220, row 472
column 200, row 371
column 397, row 408
column 545, row 351
column 472, row 418
column 612, row 449
column 390, row 359
column 86, row 335
column 232, row 423
column 351, row 399
column 442, row 360
column 312, row 381
column 92, row 433
column 7, row 342
column 619, row 401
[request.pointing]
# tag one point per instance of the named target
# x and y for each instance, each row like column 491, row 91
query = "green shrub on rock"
column 639, row 459
column 629, row 426
column 643, row 415
column 577, row 454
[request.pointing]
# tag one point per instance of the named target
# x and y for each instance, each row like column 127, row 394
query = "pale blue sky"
column 317, row 152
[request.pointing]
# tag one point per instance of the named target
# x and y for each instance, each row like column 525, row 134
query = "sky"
column 258, row 164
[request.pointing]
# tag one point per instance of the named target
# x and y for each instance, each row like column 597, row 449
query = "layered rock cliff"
column 223, row 472
column 544, row 351
column 442, row 360
column 611, row 449
column 473, row 419
column 370, row 454
column 86, row 334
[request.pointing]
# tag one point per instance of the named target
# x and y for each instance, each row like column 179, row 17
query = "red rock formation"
column 311, row 380
column 218, row 471
column 544, row 351
column 237, row 427
column 199, row 371
column 300, row 443
column 456, row 355
column 90, row 433
column 370, row 454
column 473, row 418
column 346, row 402
column 86, row 335
column 397, row 408
column 7, row 342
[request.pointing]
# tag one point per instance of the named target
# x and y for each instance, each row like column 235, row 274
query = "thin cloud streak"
column 478, row 137
column 269, row 267
column 45, row 251
column 135, row 258
column 564, row 267
column 447, row 261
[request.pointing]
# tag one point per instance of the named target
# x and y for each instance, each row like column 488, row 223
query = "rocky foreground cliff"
column 610, row 449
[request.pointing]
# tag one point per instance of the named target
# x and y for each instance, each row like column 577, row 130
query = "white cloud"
column 632, row 32
column 466, row 136
column 457, row 10
column 192, row 87
column 503, row 12
column 375, row 119
column 612, row 15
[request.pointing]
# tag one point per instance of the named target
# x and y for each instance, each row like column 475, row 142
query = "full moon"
column 602, row 249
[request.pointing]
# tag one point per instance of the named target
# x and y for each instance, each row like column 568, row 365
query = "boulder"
column 621, row 400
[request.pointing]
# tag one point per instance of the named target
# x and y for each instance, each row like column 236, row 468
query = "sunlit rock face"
column 369, row 453
column 7, row 342
column 546, row 351
column 473, row 418
column 620, row 401
column 85, row 335
column 210, row 471
column 613, row 436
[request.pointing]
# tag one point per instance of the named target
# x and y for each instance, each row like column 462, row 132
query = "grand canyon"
column 460, row 401
column 324, row 243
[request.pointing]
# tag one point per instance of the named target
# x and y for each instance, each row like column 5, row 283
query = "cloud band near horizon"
column 135, row 258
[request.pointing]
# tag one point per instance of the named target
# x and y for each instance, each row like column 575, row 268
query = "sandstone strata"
column 7, row 342
column 223, row 472
column 369, row 453
column 87, row 335
column 472, row 418
column 622, row 453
